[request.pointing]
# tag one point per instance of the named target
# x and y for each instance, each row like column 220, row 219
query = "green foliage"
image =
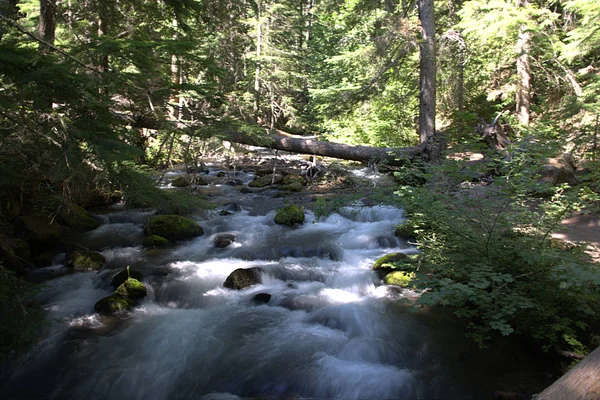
column 21, row 319
column 486, row 255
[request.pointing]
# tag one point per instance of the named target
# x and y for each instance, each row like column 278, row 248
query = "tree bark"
column 47, row 24
column 523, row 71
column 580, row 383
column 276, row 141
column 427, row 94
column 259, row 16
column 279, row 140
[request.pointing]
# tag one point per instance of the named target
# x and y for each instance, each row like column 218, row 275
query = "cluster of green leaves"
column 488, row 255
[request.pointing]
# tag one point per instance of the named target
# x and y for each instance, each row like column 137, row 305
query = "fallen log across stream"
column 278, row 140
column 580, row 383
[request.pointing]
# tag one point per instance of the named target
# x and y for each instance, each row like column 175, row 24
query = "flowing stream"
column 329, row 331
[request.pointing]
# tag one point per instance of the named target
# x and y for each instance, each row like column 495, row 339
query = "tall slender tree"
column 427, row 74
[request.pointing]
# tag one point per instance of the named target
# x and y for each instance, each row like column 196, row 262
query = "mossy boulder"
column 242, row 278
column 293, row 178
column 395, row 262
column 85, row 260
column 132, row 289
column 37, row 227
column 405, row 230
column 122, row 276
column 113, row 305
column 290, row 215
column 399, row 278
column 77, row 218
column 180, row 181
column 156, row 241
column 293, row 187
column 266, row 180
column 173, row 227
column 223, row 240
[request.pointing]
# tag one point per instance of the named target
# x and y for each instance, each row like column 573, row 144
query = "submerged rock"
column 85, row 260
column 173, row 227
column 223, row 240
column 132, row 289
column 261, row 298
column 242, row 278
column 290, row 215
column 113, row 305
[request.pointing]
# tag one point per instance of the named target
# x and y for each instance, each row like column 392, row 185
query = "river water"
column 329, row 331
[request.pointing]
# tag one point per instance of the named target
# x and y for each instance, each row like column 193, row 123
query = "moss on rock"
column 132, row 288
column 266, row 180
column 122, row 276
column 293, row 187
column 113, row 305
column 399, row 278
column 85, row 260
column 290, row 215
column 405, row 230
column 77, row 218
column 173, row 227
column 389, row 260
column 156, row 241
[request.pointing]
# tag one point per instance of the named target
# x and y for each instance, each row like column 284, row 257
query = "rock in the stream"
column 77, row 218
column 180, row 181
column 223, row 240
column 122, row 276
column 242, row 278
column 395, row 262
column 156, row 241
column 113, row 305
column 85, row 260
column 266, row 180
column 132, row 289
column 290, row 215
column 173, row 227
column 261, row 298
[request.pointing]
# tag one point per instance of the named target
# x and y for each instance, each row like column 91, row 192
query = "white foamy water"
column 328, row 330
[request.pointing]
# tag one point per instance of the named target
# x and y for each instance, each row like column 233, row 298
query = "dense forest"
column 98, row 98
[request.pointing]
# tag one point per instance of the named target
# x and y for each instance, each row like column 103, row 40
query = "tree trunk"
column 427, row 95
column 580, row 383
column 258, row 54
column 47, row 24
column 279, row 140
column 384, row 155
column 523, row 71
column 103, row 14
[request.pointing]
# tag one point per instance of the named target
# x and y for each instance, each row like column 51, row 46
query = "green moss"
column 84, row 260
column 390, row 260
column 125, row 274
column 156, row 241
column 405, row 230
column 293, row 187
column 290, row 215
column 77, row 218
column 173, row 227
column 399, row 278
column 266, row 181
column 132, row 288
column 293, row 179
column 113, row 305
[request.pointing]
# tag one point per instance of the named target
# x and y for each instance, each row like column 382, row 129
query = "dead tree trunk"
column 580, row 383
column 384, row 155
